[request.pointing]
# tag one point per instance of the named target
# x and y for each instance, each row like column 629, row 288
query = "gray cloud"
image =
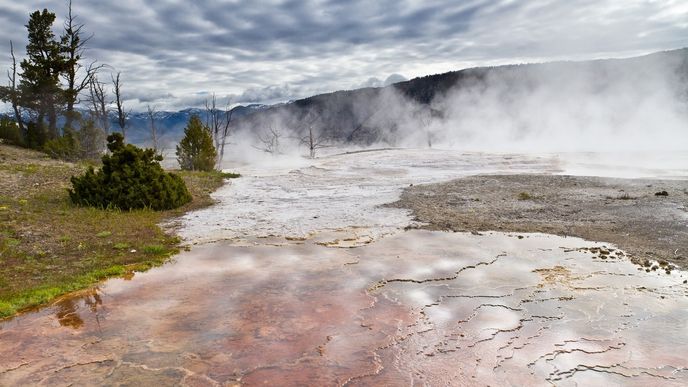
column 375, row 82
column 281, row 50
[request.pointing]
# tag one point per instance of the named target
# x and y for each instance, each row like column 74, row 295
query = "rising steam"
column 608, row 105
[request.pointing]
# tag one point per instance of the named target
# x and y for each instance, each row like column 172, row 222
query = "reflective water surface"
column 298, row 277
column 418, row 307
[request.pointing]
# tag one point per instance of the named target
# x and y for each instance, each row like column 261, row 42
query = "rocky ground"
column 647, row 218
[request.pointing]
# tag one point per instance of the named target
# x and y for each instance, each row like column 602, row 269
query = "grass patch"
column 230, row 175
column 154, row 249
column 525, row 196
column 121, row 246
column 11, row 242
column 37, row 264
column 38, row 296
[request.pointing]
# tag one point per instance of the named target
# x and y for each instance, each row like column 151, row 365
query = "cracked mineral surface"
column 334, row 303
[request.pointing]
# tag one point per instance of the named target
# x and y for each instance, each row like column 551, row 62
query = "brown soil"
column 625, row 212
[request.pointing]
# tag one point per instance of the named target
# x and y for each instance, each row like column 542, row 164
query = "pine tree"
column 40, row 84
column 196, row 151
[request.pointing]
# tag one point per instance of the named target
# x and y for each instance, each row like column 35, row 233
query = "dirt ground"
column 625, row 212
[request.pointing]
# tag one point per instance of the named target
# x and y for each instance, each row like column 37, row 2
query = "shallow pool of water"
column 298, row 276
column 418, row 307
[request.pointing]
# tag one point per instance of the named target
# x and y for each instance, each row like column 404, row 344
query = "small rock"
column 662, row 193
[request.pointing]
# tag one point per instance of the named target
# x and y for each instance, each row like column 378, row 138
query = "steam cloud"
column 633, row 104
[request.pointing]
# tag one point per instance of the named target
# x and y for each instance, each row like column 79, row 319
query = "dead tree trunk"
column 74, row 50
column 219, row 123
column 313, row 140
column 98, row 101
column 14, row 94
column 121, row 114
column 153, row 129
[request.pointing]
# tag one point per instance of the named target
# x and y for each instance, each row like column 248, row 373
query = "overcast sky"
column 172, row 53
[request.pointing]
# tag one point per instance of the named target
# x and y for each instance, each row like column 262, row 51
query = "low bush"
column 65, row 147
column 10, row 133
column 130, row 178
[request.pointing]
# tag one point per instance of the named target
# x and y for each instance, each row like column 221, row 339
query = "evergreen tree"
column 40, row 86
column 196, row 151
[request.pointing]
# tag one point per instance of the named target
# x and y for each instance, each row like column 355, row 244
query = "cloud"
column 255, row 49
column 376, row 82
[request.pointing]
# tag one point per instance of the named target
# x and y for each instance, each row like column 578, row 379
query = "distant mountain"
column 516, row 94
column 171, row 124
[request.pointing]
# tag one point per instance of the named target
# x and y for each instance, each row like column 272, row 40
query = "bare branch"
column 270, row 140
column 98, row 102
column 153, row 129
column 312, row 139
column 74, row 46
column 14, row 94
column 219, row 123
column 121, row 114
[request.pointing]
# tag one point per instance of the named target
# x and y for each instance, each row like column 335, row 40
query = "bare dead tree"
column 225, row 132
column 270, row 140
column 74, row 46
column 153, row 130
column 13, row 94
column 99, row 104
column 122, row 116
column 361, row 124
column 313, row 139
column 219, row 122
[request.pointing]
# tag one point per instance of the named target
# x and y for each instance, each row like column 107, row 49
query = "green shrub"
column 36, row 135
column 91, row 139
column 196, row 151
column 230, row 175
column 87, row 143
column 10, row 133
column 130, row 178
column 65, row 147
